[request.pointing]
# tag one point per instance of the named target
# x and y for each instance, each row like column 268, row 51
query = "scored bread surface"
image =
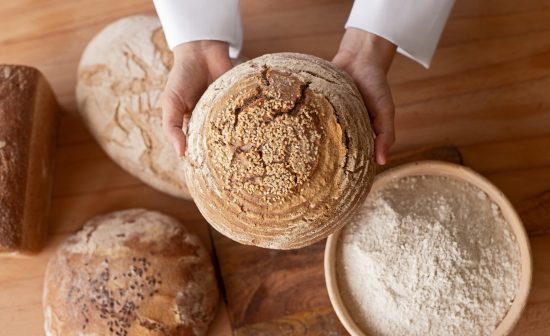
column 280, row 151
column 121, row 76
column 133, row 272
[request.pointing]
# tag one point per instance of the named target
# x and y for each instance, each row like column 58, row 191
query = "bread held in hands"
column 280, row 151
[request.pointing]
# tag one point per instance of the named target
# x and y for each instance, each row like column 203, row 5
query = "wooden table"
column 487, row 93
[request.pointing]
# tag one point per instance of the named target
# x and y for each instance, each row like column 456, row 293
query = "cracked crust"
column 121, row 76
column 280, row 151
column 132, row 272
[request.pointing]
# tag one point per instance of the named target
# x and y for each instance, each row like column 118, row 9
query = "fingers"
column 174, row 114
column 367, row 58
column 187, row 81
column 378, row 99
column 382, row 144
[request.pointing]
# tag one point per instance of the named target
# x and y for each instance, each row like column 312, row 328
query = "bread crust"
column 121, row 76
column 132, row 272
column 280, row 151
column 27, row 138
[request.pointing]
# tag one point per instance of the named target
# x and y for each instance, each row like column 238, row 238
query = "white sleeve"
column 193, row 20
column 415, row 26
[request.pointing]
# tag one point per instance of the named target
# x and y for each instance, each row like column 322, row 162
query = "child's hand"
column 367, row 58
column 196, row 65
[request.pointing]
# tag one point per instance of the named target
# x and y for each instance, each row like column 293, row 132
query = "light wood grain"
column 503, row 156
column 68, row 213
column 486, row 92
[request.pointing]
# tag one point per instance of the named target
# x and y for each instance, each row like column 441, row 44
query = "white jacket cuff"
column 415, row 26
column 193, row 20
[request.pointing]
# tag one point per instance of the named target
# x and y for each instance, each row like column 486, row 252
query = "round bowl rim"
column 462, row 173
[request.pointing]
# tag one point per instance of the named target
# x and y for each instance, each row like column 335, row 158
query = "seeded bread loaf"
column 121, row 76
column 27, row 137
column 133, row 273
column 280, row 151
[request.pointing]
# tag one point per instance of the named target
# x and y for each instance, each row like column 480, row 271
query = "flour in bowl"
column 428, row 255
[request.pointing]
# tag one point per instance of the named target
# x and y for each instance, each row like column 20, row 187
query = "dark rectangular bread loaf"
column 27, row 135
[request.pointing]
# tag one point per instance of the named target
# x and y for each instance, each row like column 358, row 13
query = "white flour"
column 428, row 256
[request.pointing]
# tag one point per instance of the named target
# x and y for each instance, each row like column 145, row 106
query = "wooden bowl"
column 436, row 168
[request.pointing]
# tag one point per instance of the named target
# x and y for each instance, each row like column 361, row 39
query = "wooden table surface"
column 487, row 92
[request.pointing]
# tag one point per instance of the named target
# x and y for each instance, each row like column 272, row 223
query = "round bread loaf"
column 121, row 76
column 280, row 151
column 133, row 272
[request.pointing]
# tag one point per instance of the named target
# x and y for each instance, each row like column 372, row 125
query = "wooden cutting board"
column 273, row 292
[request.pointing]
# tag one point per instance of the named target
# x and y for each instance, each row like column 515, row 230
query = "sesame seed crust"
column 280, row 151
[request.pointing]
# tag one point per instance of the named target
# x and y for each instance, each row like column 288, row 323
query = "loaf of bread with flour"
column 28, row 111
column 280, row 151
column 121, row 76
column 132, row 273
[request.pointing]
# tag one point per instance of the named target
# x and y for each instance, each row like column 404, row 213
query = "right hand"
column 367, row 58
column 196, row 65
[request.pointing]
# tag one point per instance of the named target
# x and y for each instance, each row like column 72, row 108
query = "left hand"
column 367, row 58
column 196, row 65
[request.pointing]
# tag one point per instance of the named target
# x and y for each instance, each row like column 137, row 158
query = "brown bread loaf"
column 280, row 151
column 27, row 138
column 121, row 76
column 133, row 273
